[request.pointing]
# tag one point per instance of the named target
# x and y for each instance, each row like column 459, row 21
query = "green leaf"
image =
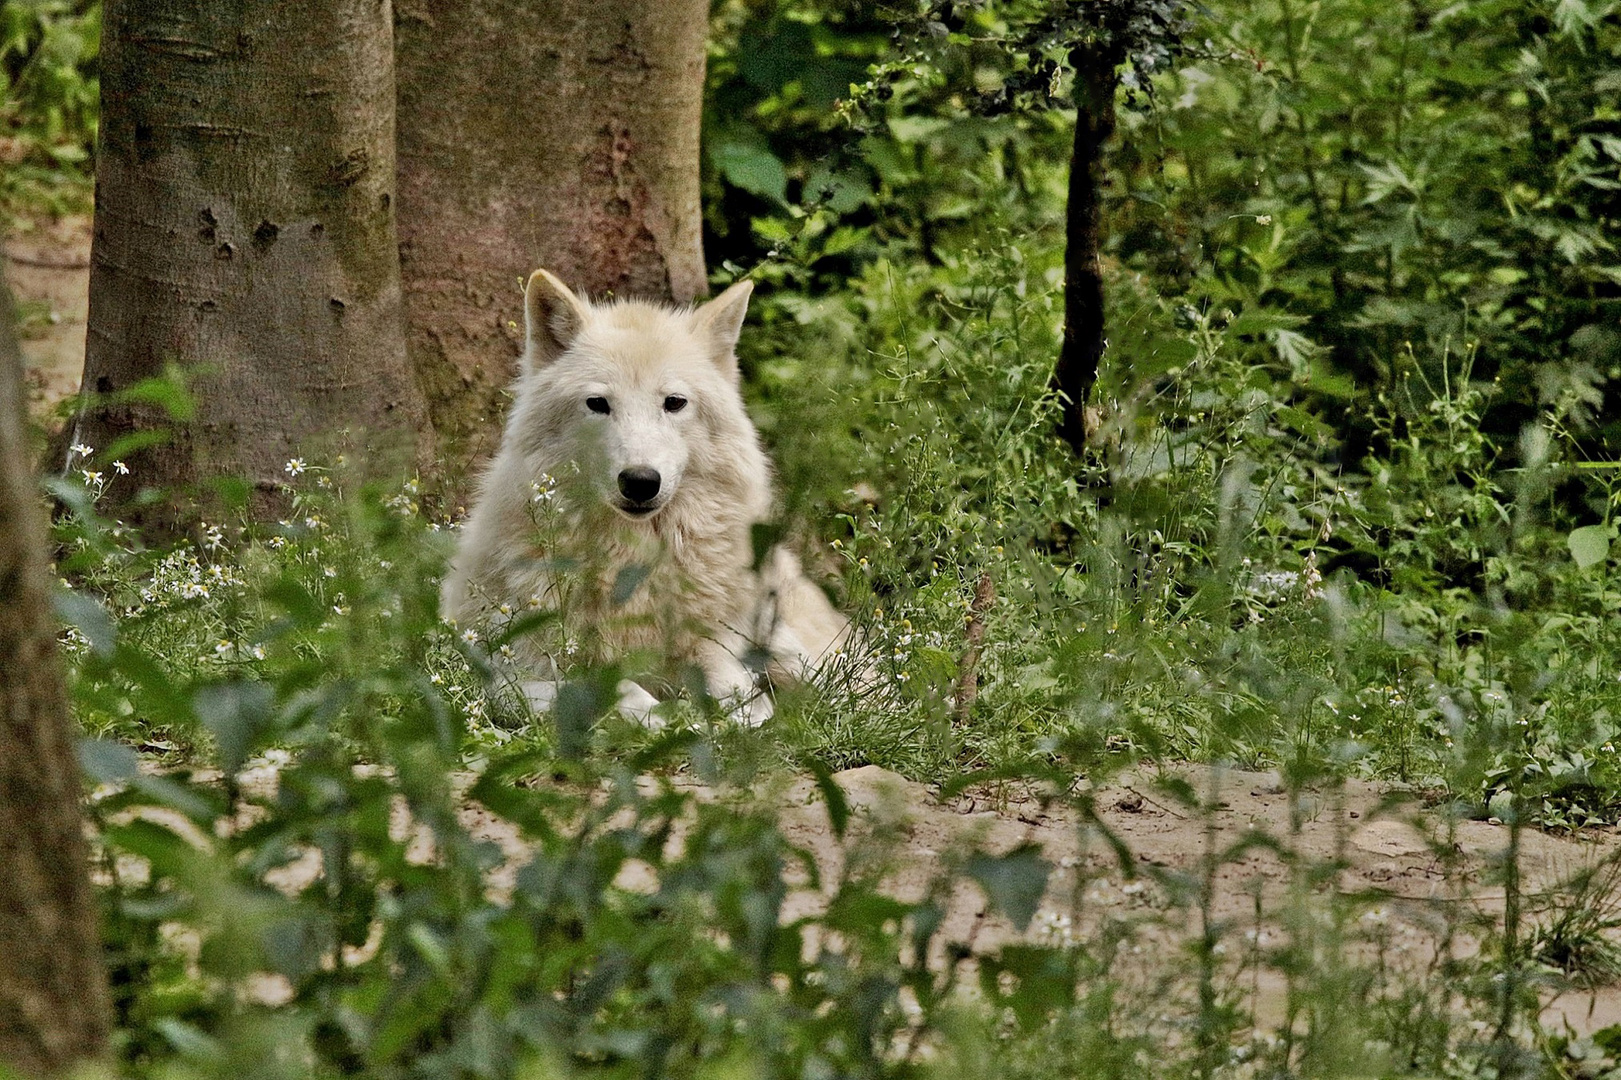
column 627, row 581
column 1014, row 883
column 237, row 713
column 108, row 762
column 838, row 808
column 754, row 169
column 580, row 704
column 81, row 611
column 1589, row 545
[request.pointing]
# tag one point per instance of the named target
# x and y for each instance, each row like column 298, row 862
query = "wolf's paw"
column 751, row 711
column 539, row 693
column 636, row 703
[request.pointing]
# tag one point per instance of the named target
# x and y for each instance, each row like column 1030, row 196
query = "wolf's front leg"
column 634, row 701
column 730, row 681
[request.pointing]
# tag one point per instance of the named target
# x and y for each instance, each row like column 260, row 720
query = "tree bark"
column 1097, row 77
column 560, row 135
column 245, row 223
column 53, row 992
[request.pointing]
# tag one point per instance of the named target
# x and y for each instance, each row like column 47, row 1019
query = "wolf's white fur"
column 702, row 599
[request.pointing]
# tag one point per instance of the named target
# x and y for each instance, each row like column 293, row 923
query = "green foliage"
column 51, row 95
column 1396, row 174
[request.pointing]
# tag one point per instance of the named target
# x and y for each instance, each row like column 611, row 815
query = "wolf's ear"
column 721, row 320
column 552, row 318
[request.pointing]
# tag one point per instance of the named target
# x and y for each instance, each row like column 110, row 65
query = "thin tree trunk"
column 560, row 135
column 245, row 224
column 53, row 991
column 1096, row 78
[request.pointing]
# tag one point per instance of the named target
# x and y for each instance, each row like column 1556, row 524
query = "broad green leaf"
column 108, row 762
column 627, row 581
column 237, row 714
column 1014, row 883
column 1589, row 545
column 754, row 169
column 82, row 612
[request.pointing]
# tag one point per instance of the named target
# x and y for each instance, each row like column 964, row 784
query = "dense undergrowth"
column 1349, row 511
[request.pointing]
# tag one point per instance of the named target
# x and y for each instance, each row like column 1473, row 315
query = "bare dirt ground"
column 1413, row 888
column 1421, row 885
column 1414, row 875
column 48, row 269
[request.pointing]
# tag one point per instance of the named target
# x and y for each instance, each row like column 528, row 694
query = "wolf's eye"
column 598, row 405
column 675, row 403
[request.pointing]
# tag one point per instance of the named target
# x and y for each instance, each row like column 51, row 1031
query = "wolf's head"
column 643, row 398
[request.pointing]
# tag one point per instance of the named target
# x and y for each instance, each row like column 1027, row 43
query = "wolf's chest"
column 636, row 592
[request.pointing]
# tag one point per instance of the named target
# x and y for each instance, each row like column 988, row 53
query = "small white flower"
column 120, row 468
column 257, row 652
column 470, row 636
column 223, row 648
column 295, row 466
column 1264, row 219
column 79, row 449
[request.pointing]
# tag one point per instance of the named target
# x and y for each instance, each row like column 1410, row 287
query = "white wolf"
column 634, row 409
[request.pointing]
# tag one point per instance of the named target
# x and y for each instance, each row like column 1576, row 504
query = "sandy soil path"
column 48, row 269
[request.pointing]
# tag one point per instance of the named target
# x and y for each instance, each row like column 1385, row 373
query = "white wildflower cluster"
column 544, row 489
column 73, row 642
column 181, row 575
column 1278, row 586
column 95, row 481
column 406, row 503
column 236, row 651
column 1059, row 929
column 902, row 640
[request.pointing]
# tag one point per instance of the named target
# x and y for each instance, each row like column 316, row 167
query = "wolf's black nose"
column 639, row 484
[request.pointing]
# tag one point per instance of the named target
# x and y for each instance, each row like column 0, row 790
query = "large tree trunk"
column 53, row 992
column 245, row 223
column 1096, row 79
column 561, row 135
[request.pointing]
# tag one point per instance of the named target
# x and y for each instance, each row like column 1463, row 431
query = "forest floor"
column 48, row 269
column 1422, row 889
